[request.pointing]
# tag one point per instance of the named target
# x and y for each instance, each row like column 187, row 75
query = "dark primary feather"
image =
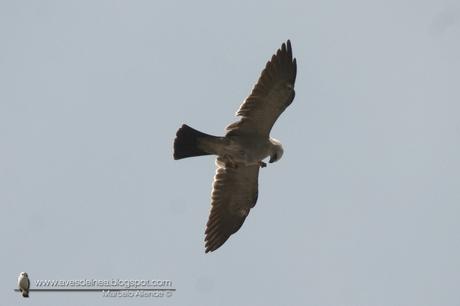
column 273, row 92
column 234, row 193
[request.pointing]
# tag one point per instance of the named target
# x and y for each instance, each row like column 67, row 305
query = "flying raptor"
column 240, row 153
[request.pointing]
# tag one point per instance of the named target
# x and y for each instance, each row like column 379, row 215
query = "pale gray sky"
column 361, row 211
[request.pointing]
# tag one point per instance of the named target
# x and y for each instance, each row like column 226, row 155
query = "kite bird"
column 240, row 153
column 24, row 284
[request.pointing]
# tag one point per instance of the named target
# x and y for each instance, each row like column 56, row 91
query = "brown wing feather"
column 234, row 194
column 273, row 92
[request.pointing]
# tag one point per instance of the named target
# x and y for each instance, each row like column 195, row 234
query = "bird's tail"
column 25, row 293
column 187, row 140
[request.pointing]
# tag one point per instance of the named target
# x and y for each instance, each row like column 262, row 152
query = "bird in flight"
column 240, row 153
column 24, row 284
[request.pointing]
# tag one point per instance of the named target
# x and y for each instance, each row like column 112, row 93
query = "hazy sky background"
column 363, row 209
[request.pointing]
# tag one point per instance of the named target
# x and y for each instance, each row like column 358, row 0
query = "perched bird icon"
column 240, row 153
column 24, row 284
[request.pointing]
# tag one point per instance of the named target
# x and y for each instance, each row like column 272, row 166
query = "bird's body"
column 24, row 284
column 240, row 153
column 244, row 150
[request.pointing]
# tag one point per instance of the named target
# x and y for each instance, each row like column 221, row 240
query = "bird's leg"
column 232, row 165
column 229, row 162
column 262, row 164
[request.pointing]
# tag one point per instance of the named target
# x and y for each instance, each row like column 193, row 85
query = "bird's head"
column 277, row 150
column 24, row 274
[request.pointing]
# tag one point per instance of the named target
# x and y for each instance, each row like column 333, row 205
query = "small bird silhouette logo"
column 24, row 284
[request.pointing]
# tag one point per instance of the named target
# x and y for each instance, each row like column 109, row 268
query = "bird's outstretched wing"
column 234, row 194
column 273, row 92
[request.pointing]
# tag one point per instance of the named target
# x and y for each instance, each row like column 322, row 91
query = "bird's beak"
column 272, row 159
